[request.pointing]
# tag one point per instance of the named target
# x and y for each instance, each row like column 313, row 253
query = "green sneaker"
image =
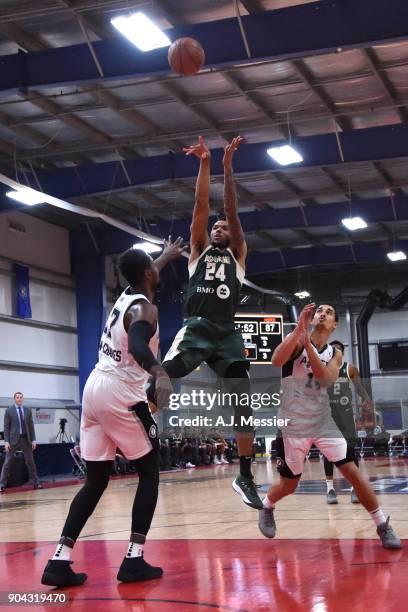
column 247, row 489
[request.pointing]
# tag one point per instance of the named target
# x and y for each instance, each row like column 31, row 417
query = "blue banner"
column 23, row 291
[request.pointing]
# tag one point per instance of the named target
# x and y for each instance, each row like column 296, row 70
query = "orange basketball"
column 186, row 56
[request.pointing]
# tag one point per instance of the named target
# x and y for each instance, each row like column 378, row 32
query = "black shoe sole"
column 128, row 577
column 59, row 581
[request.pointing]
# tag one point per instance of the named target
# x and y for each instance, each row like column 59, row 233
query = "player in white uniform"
column 310, row 365
column 115, row 414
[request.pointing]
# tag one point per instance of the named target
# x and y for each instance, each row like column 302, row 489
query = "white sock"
column 267, row 503
column 134, row 550
column 330, row 485
column 378, row 516
column 62, row 553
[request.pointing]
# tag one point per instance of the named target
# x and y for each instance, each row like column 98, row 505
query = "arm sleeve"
column 139, row 335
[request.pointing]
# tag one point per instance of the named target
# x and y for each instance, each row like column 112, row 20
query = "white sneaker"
column 190, row 465
column 223, row 460
column 217, row 461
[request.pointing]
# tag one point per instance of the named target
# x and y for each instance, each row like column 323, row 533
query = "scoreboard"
column 261, row 333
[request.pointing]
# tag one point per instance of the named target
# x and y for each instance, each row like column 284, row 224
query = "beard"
column 224, row 244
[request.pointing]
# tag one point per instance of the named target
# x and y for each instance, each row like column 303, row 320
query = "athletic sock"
column 378, row 516
column 136, row 544
column 267, row 503
column 330, row 485
column 64, row 549
column 245, row 466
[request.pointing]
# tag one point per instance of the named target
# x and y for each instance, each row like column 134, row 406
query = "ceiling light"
column 354, row 223
column 25, row 195
column 285, row 155
column 302, row 294
column 396, row 255
column 141, row 31
column 148, row 247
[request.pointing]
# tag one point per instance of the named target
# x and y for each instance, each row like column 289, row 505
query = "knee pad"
column 96, row 486
column 237, row 381
column 149, row 465
column 238, row 369
column 175, row 368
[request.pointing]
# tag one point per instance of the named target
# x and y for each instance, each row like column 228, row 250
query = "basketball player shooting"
column 216, row 271
column 115, row 414
column 309, row 366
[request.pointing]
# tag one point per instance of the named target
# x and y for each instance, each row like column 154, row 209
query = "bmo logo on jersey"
column 223, row 292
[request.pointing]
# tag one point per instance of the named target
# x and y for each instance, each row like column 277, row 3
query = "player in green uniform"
column 341, row 400
column 216, row 271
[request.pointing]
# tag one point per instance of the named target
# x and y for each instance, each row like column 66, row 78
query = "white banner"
column 43, row 416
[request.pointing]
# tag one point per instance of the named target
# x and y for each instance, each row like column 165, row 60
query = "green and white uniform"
column 209, row 332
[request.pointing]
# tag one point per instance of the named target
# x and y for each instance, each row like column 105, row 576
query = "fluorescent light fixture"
column 142, row 32
column 354, row 223
column 285, row 155
column 396, row 255
column 25, row 195
column 302, row 295
column 148, row 247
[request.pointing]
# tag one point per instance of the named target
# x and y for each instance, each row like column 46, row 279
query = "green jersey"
column 341, row 400
column 215, row 282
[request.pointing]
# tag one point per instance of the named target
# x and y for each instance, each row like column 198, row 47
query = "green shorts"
column 218, row 344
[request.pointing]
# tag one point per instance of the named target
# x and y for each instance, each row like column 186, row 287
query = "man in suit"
column 19, row 434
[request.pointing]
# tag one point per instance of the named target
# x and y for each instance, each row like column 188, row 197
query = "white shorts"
column 108, row 424
column 291, row 452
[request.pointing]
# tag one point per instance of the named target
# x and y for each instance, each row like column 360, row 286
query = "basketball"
column 186, row 56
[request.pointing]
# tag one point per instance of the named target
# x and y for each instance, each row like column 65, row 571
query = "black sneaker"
column 136, row 568
column 246, row 487
column 59, row 574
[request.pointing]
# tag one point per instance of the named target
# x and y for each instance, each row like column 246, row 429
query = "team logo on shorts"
column 344, row 400
column 152, row 431
column 223, row 292
column 279, row 463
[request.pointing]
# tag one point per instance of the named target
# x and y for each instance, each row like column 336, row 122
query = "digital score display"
column 261, row 333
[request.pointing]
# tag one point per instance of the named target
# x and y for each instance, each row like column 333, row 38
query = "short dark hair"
column 220, row 217
column 17, row 393
column 336, row 316
column 340, row 344
column 133, row 263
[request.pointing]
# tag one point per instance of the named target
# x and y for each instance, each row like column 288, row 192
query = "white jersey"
column 303, row 399
column 114, row 357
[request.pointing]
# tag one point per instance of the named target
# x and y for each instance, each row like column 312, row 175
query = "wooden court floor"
column 324, row 557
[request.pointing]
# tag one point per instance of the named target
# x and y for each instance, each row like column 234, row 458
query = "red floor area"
column 226, row 575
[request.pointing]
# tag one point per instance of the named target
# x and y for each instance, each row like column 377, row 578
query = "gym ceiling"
column 87, row 117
